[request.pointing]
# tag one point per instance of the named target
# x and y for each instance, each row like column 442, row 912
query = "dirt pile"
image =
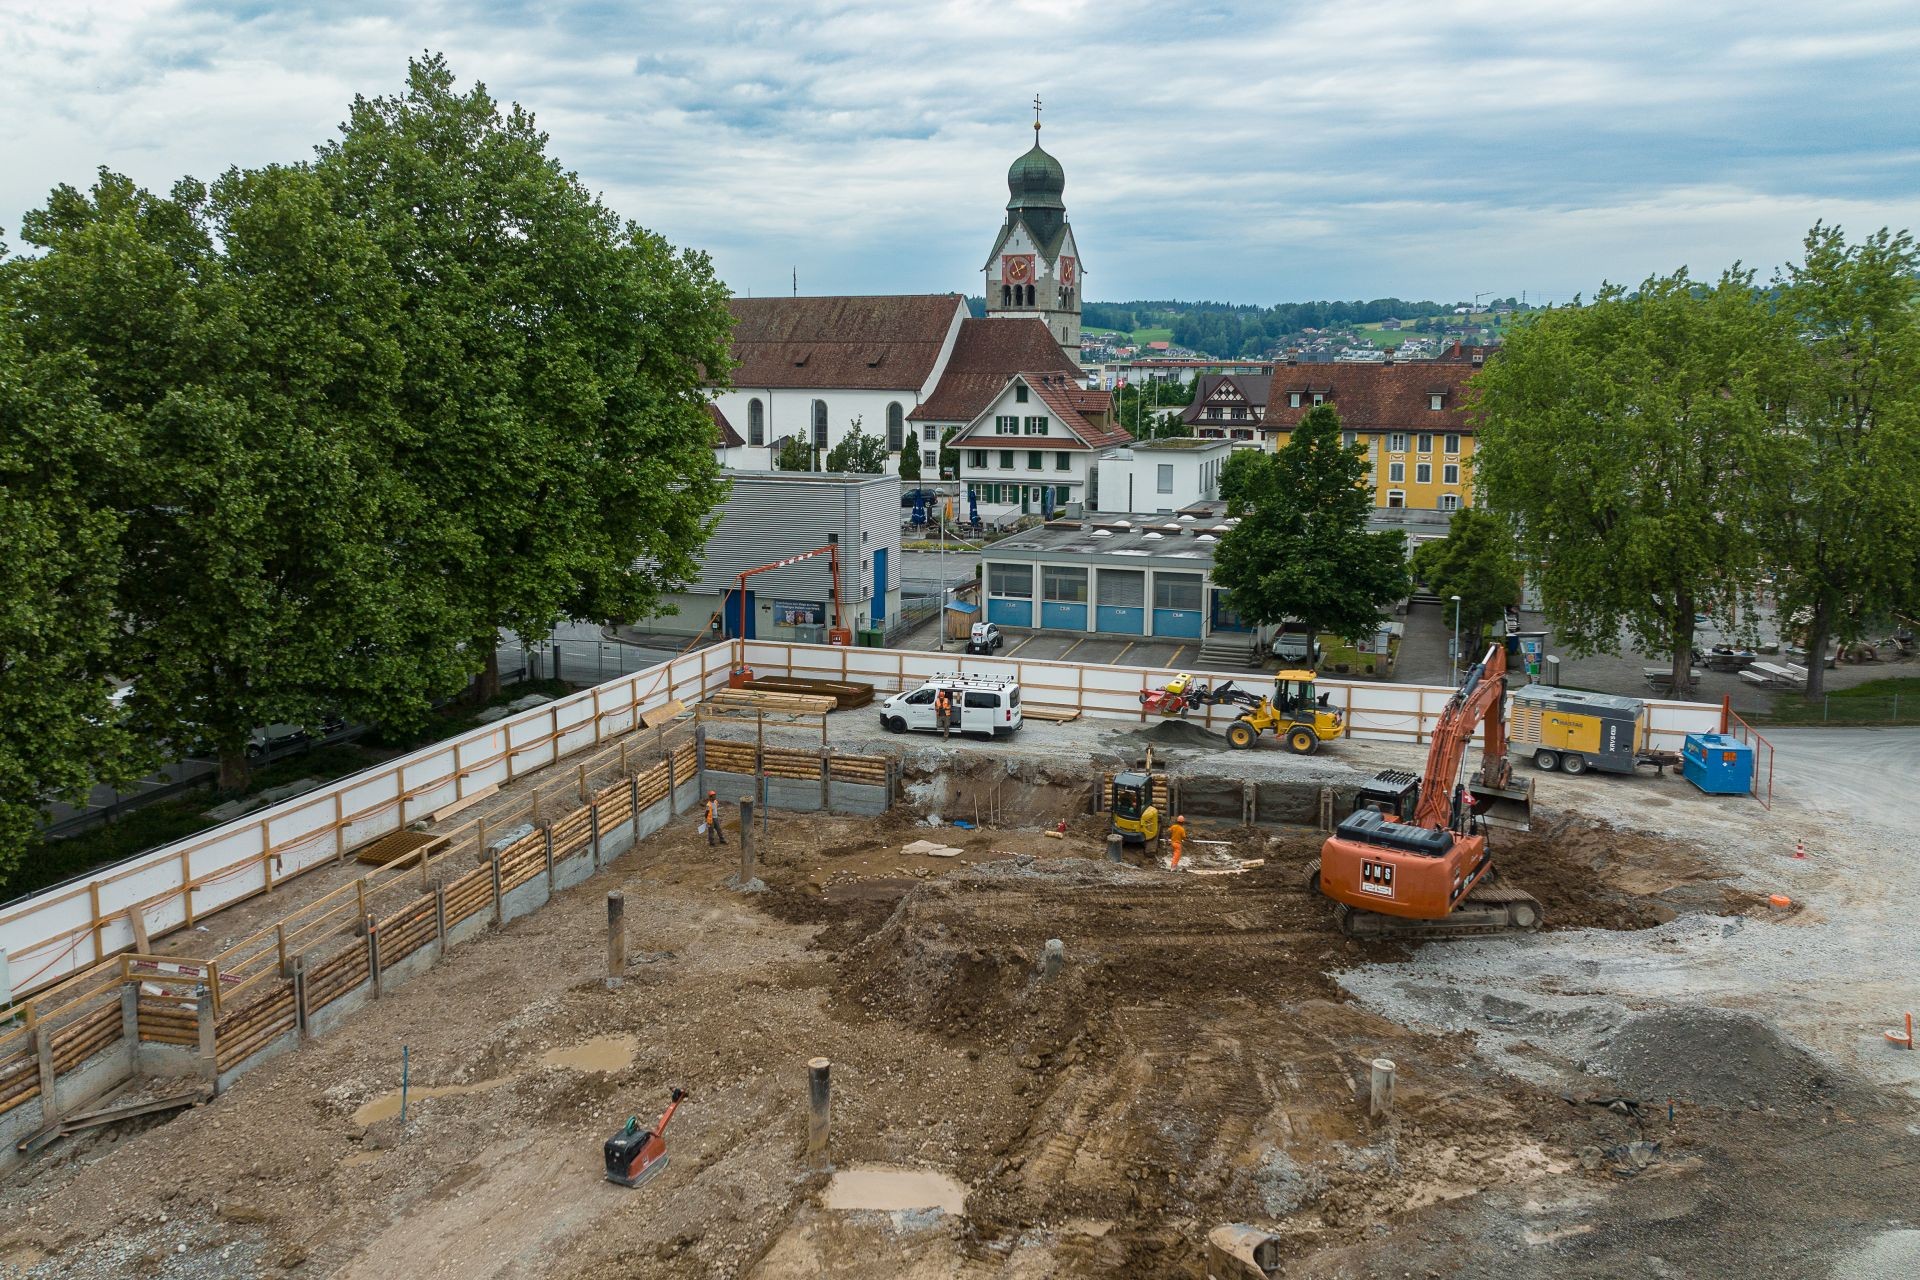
column 1714, row 1058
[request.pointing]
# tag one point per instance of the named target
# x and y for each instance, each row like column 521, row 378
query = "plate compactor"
column 635, row 1155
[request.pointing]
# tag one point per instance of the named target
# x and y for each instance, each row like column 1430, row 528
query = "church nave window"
column 896, row 427
column 756, row 423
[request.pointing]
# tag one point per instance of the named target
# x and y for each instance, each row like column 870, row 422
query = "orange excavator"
column 1411, row 860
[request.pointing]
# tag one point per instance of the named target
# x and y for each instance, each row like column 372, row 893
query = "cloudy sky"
column 1254, row 152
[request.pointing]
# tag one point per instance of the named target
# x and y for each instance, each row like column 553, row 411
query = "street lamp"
column 1453, row 668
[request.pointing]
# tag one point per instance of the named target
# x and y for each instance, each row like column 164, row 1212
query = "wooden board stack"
column 770, row 700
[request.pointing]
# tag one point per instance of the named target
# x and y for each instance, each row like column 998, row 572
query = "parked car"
column 985, row 638
column 1292, row 646
column 990, row 707
column 910, row 496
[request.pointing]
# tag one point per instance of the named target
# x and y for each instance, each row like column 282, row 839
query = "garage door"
column 1120, row 604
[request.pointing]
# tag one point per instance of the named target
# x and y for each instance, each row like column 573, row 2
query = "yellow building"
column 1409, row 416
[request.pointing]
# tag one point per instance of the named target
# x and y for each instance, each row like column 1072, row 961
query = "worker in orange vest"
column 942, row 711
column 714, row 834
column 1177, row 834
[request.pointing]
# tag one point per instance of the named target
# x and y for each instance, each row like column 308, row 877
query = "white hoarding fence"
column 64, row 930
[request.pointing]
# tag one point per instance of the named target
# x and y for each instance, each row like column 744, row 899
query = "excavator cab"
column 1130, row 802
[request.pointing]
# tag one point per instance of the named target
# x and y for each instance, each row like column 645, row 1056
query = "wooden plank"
column 472, row 797
column 672, row 710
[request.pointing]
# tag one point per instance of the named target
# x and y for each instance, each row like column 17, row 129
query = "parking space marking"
column 1075, row 645
column 1114, row 661
column 1023, row 644
column 1173, row 659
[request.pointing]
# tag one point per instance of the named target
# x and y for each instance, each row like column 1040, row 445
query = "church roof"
column 1036, row 180
column 986, row 354
column 724, row 436
column 860, row 343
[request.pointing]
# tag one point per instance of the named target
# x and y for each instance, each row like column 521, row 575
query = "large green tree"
column 558, row 364
column 1841, row 519
column 243, row 338
column 1476, row 562
column 1301, row 549
column 1626, row 440
column 59, row 570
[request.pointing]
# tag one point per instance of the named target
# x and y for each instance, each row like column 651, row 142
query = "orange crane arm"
column 831, row 551
column 1480, row 699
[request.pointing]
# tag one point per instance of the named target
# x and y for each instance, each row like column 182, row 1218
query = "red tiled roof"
column 1375, row 397
column 1096, row 402
column 725, row 437
column 864, row 343
column 985, row 355
column 1056, row 392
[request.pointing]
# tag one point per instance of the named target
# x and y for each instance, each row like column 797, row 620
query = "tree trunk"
column 1816, row 640
column 234, row 770
column 1682, row 690
column 486, row 685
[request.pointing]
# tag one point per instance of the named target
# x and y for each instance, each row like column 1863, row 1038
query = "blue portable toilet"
column 1718, row 764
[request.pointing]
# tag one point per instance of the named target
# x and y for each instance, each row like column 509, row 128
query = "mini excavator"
column 1411, row 860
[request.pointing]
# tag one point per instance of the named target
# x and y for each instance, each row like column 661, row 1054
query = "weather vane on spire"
column 1036, row 113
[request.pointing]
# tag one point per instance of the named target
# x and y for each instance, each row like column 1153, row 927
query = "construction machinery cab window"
column 1014, row 580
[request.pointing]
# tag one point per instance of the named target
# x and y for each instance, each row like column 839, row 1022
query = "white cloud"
column 1242, row 150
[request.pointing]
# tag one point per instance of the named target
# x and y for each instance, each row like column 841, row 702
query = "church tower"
column 1034, row 270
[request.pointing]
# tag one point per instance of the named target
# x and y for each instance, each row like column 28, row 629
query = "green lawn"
column 1893, row 700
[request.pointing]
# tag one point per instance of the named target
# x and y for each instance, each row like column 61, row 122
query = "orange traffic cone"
column 1800, row 848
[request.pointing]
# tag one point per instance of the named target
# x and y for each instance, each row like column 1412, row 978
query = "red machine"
column 836, row 634
column 634, row 1155
column 1412, row 860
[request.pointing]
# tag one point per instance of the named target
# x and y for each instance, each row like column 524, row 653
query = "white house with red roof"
column 1031, row 447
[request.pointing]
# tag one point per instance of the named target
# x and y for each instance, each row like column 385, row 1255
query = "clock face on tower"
column 1066, row 271
column 1017, row 268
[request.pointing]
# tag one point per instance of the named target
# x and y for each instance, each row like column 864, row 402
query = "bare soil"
column 1194, row 1061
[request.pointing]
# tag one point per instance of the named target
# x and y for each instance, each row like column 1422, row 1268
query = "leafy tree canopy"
column 1476, row 562
column 858, row 452
column 1301, row 549
column 558, row 361
column 1840, row 518
column 1628, row 440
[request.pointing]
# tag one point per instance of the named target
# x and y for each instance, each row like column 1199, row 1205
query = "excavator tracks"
column 1488, row 910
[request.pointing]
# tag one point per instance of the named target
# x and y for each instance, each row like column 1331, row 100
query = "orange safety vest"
column 713, row 810
column 1177, row 834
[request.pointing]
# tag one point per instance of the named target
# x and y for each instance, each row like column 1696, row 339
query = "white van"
column 980, row 705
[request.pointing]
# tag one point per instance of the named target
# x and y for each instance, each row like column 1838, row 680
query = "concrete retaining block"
column 573, row 871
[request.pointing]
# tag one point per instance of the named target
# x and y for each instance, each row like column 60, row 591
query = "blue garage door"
column 1063, row 597
column 1176, row 605
column 1120, row 601
column 878, row 610
column 1010, row 613
column 1063, row 617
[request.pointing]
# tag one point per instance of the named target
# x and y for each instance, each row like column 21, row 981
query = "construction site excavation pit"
column 1197, row 1055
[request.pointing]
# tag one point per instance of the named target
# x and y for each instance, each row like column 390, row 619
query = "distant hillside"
column 1234, row 329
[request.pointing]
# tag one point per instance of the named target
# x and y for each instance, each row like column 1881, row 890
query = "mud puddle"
column 886, row 1188
column 598, row 1054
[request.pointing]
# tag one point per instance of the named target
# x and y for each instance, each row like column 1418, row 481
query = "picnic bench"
column 1775, row 676
column 1660, row 679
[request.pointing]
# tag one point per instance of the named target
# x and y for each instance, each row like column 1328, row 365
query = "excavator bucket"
column 1509, row 807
